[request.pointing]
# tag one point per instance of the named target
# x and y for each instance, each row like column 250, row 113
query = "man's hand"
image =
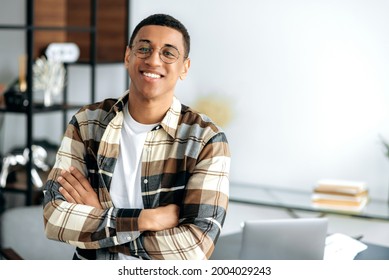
column 161, row 218
column 76, row 188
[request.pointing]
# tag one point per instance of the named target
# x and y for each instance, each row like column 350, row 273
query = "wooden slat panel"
column 112, row 21
column 111, row 28
column 49, row 13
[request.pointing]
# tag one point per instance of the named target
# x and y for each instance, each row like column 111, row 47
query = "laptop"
column 284, row 239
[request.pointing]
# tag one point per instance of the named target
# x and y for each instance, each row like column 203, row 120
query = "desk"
column 228, row 248
column 291, row 199
column 373, row 252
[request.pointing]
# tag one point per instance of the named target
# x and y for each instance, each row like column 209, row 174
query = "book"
column 340, row 186
column 340, row 195
column 340, row 192
column 340, row 206
column 338, row 198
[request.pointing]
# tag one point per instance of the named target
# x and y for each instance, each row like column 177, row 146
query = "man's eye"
column 144, row 50
column 170, row 52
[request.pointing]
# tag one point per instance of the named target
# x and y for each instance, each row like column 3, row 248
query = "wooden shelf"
column 40, row 108
column 69, row 19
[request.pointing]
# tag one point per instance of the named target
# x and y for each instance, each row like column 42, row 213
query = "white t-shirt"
column 125, row 186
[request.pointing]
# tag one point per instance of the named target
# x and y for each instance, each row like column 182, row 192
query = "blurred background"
column 304, row 84
column 300, row 87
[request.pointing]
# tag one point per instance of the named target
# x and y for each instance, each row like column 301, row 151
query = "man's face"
column 151, row 78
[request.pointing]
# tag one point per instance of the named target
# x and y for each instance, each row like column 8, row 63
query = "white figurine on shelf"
column 49, row 72
column 39, row 156
column 49, row 77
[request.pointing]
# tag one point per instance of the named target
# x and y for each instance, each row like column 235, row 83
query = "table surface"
column 298, row 200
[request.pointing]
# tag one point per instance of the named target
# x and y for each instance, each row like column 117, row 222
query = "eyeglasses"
column 143, row 50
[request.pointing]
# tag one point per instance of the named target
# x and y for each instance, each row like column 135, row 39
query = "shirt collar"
column 119, row 105
column 170, row 121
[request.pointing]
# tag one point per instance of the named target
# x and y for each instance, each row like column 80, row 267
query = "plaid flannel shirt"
column 185, row 161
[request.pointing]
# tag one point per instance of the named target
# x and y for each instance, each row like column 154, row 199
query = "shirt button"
column 145, row 181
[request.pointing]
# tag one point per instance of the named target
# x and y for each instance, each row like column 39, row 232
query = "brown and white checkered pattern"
column 185, row 161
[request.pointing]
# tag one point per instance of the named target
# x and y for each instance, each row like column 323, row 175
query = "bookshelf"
column 99, row 28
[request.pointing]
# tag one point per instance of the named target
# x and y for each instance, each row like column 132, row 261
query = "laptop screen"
column 284, row 239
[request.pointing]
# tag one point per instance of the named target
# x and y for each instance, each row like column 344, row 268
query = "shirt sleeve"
column 81, row 225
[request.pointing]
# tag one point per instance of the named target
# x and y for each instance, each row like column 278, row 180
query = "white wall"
column 308, row 80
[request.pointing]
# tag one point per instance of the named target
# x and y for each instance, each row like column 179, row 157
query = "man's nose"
column 154, row 58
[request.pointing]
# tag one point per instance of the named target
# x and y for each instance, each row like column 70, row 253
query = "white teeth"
column 151, row 75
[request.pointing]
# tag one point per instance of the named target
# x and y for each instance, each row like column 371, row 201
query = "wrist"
column 144, row 221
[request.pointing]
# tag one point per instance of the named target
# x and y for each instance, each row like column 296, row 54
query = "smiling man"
column 142, row 176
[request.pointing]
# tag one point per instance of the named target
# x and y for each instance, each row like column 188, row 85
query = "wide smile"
column 151, row 75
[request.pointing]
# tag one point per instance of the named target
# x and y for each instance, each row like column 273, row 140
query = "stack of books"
column 340, row 195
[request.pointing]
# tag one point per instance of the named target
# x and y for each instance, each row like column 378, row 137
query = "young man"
column 143, row 176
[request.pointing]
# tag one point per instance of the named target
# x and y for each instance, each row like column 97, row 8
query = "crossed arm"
column 77, row 189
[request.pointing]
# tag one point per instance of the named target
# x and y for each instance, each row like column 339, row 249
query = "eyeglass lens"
column 168, row 54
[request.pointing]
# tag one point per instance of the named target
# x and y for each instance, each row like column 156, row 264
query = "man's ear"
column 186, row 67
column 127, row 56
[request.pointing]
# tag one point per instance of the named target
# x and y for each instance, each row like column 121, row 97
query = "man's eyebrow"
column 148, row 41
column 171, row 46
column 144, row 40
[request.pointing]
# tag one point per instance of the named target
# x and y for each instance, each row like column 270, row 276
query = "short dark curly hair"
column 164, row 20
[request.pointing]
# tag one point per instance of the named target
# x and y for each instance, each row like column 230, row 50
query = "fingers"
column 74, row 185
column 70, row 189
column 166, row 216
column 76, row 188
column 160, row 218
column 172, row 209
column 80, row 178
column 66, row 195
